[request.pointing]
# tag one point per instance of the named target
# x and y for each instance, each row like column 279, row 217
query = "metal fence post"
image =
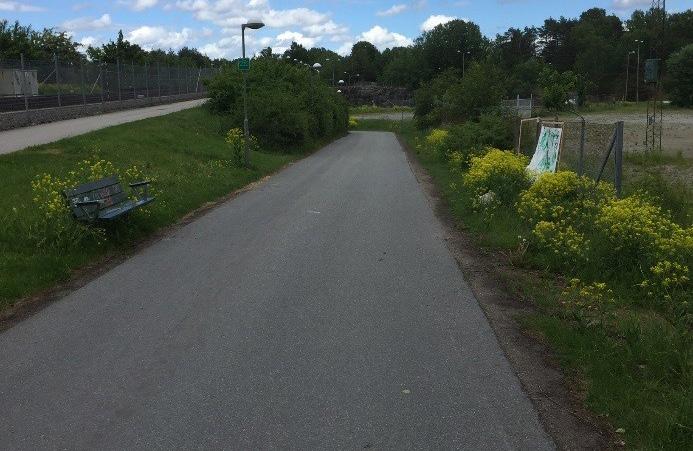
column 81, row 80
column 581, row 161
column 618, row 158
column 158, row 77
column 57, row 78
column 118, row 76
column 146, row 80
column 134, row 90
column 101, row 77
column 26, row 99
column 178, row 78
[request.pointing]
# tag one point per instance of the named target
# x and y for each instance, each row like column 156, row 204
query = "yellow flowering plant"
column 53, row 224
column 561, row 208
column 497, row 177
column 590, row 304
column 235, row 138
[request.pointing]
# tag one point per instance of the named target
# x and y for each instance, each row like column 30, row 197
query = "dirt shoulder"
column 560, row 408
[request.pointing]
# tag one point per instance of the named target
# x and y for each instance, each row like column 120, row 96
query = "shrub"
column 638, row 232
column 561, row 208
column 437, row 142
column 288, row 105
column 499, row 172
column 680, row 76
column 563, row 196
column 353, row 123
column 472, row 138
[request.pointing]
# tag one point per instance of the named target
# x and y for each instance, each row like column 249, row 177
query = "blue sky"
column 213, row 26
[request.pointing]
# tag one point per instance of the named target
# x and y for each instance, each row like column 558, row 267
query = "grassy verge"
column 183, row 152
column 637, row 372
column 369, row 109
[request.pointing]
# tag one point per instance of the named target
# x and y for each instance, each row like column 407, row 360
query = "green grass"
column 179, row 150
column 369, row 109
column 637, row 373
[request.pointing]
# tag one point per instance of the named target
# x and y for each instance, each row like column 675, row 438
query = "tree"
column 446, row 46
column 403, row 66
column 557, row 88
column 679, row 79
column 599, row 56
column 556, row 43
column 364, row 61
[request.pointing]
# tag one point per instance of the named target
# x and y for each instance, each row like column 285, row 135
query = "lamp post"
column 637, row 74
column 625, row 99
column 253, row 25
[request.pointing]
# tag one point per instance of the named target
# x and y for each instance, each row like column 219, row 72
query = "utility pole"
column 253, row 25
column 637, row 74
column 625, row 99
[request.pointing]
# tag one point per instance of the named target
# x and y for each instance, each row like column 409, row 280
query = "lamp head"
column 253, row 24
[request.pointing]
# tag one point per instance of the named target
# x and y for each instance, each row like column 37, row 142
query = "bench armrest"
column 91, row 214
column 142, row 188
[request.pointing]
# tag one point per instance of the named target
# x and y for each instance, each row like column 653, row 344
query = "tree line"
column 597, row 48
column 17, row 40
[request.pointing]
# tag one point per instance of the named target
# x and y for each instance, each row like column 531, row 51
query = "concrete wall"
column 18, row 119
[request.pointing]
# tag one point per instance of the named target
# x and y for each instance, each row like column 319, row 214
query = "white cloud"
column 345, row 48
column 16, row 7
column 434, row 21
column 140, row 5
column 158, row 37
column 630, row 4
column 393, row 10
column 85, row 23
column 288, row 37
column 88, row 41
column 383, row 38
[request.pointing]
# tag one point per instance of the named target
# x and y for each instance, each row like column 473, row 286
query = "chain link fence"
column 27, row 84
column 591, row 149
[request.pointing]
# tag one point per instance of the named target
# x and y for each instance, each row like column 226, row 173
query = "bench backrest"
column 109, row 191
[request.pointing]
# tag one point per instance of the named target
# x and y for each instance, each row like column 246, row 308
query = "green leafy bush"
column 680, row 76
column 499, row 175
column 288, row 105
column 473, row 137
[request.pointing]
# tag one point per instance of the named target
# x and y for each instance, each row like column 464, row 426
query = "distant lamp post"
column 464, row 54
column 637, row 74
column 253, row 25
column 625, row 99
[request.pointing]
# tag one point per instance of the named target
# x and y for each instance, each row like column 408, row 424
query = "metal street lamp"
column 627, row 70
column 253, row 25
column 637, row 74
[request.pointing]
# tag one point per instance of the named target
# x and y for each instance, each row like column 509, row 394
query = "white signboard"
column 545, row 158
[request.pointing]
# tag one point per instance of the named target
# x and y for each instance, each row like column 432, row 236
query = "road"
column 322, row 309
column 20, row 138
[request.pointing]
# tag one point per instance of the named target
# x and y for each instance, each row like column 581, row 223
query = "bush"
column 501, row 173
column 471, row 138
column 680, row 76
column 561, row 209
column 288, row 105
column 563, row 196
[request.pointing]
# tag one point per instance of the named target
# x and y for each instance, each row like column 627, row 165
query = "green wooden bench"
column 105, row 200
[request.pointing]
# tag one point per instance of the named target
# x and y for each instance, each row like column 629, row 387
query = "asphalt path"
column 20, row 138
column 321, row 309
